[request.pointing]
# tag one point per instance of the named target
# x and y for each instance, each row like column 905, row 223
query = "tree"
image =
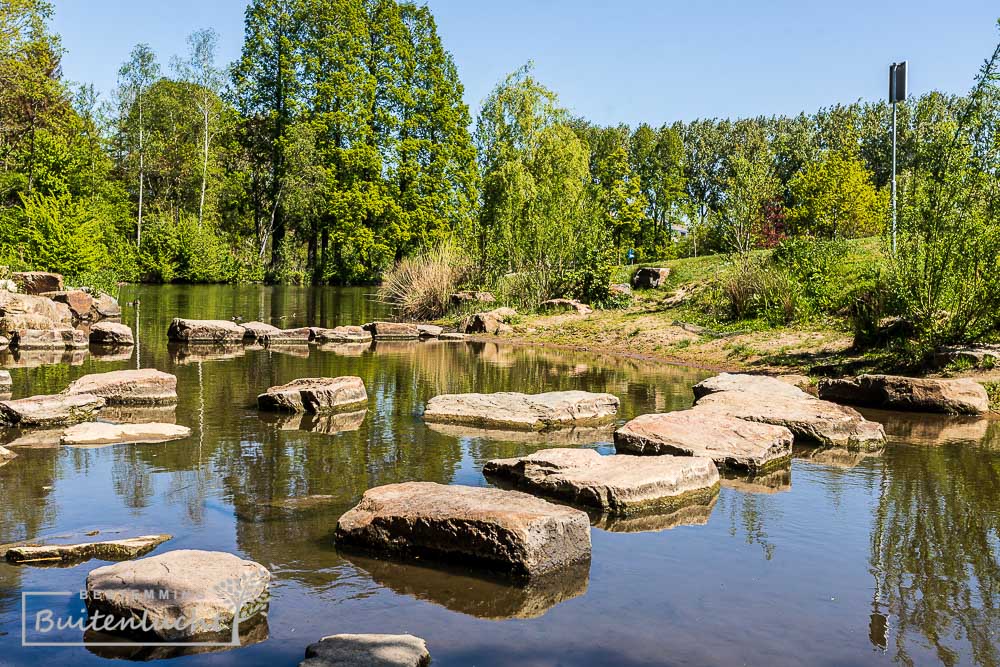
column 835, row 198
column 134, row 79
column 657, row 157
column 750, row 187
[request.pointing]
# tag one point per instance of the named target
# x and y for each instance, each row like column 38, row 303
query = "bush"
column 185, row 251
column 420, row 287
column 755, row 290
column 63, row 235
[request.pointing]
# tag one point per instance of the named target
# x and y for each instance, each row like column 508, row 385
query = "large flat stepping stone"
column 752, row 384
column 344, row 334
column 733, row 444
column 55, row 338
column 317, row 395
column 895, row 392
column 261, row 332
column 96, row 434
column 50, row 410
column 392, row 330
column 614, row 484
column 203, row 587
column 145, row 386
column 523, row 411
column 367, row 651
column 126, row 549
column 508, row 531
column 205, row 331
column 111, row 334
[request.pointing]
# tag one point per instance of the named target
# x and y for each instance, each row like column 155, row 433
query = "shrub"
column 62, row 235
column 420, row 287
column 754, row 289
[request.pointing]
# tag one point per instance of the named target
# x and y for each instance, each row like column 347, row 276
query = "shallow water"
column 843, row 559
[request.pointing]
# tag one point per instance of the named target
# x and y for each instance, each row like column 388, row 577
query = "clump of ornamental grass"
column 419, row 287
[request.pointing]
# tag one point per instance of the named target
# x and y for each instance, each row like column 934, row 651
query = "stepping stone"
column 316, row 395
column 267, row 333
column 614, row 484
column 367, row 651
column 752, row 384
column 145, row 386
column 392, row 330
column 347, row 334
column 6, row 382
column 103, row 433
column 895, row 392
column 733, row 444
column 111, row 334
column 56, row 338
column 507, row 531
column 429, row 330
column 50, row 410
column 205, row 588
column 205, row 331
column 125, row 549
column 513, row 410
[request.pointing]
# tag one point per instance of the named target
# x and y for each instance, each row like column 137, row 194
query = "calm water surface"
column 841, row 560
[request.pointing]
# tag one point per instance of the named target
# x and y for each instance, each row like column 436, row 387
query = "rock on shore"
column 205, row 331
column 493, row 322
column 650, row 277
column 203, row 587
column 103, row 433
column 508, row 531
column 317, row 395
column 895, row 392
column 615, row 484
column 565, row 306
column 126, row 549
column 523, row 411
column 733, row 444
column 38, row 282
column 367, row 651
column 54, row 338
column 146, row 386
column 49, row 410
column 261, row 332
column 111, row 334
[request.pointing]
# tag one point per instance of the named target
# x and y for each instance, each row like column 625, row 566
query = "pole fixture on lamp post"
column 897, row 93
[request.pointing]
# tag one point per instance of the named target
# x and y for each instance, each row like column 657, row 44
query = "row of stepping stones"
column 229, row 332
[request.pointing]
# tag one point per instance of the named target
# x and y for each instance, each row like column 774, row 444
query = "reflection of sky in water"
column 843, row 558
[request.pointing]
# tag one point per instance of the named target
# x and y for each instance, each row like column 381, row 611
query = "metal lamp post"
column 897, row 93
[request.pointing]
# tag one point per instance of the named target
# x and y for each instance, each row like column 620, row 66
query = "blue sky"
column 626, row 61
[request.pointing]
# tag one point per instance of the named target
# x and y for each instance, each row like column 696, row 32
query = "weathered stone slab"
column 6, row 456
column 523, row 411
column 105, row 306
column 125, row 549
column 429, row 330
column 57, row 338
column 54, row 313
column 79, row 302
column 895, row 392
column 508, row 531
column 111, row 334
column 89, row 434
column 205, row 331
column 49, row 410
column 733, row 444
column 367, row 651
column 266, row 333
column 493, row 322
column 565, row 306
column 614, row 484
column 38, row 282
column 317, row 395
column 764, row 385
column 392, row 330
column 6, row 382
column 650, row 277
column 345, row 334
column 206, row 588
column 145, row 386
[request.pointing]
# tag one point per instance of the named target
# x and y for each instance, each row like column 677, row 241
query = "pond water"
column 842, row 559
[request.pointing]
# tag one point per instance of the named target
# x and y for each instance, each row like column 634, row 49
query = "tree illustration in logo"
column 247, row 595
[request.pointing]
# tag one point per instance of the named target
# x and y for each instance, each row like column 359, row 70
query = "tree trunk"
column 138, row 233
column 204, row 167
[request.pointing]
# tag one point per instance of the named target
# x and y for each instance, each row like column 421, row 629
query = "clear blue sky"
column 610, row 62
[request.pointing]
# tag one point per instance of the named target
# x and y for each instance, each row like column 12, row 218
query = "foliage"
column 835, row 197
column 62, row 235
column 750, row 187
column 185, row 251
column 420, row 287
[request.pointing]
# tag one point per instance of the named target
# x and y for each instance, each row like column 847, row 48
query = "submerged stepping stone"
column 508, row 531
column 316, row 395
column 205, row 331
column 125, row 549
column 367, row 651
column 103, row 433
column 523, row 411
column 392, row 330
column 346, row 334
column 614, row 484
column 895, row 392
column 145, row 386
column 196, row 590
column 111, row 334
column 50, row 410
column 733, row 444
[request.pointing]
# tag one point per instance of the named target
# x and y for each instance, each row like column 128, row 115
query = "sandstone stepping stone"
column 207, row 588
column 50, row 410
column 733, row 444
column 205, row 331
column 103, row 433
column 392, row 330
column 38, row 282
column 523, row 411
column 566, row 305
column 493, row 322
column 650, row 277
column 56, row 338
column 266, row 333
column 111, row 334
column 145, row 386
column 6, row 456
column 125, row 549
column 6, row 382
column 317, row 395
column 753, row 384
column 53, row 312
column 895, row 392
column 429, row 330
column 367, row 651
column 509, row 531
column 615, row 484
column 105, row 306
column 346, row 334
column 79, row 301
column 462, row 298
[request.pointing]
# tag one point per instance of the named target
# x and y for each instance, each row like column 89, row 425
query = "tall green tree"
column 134, row 80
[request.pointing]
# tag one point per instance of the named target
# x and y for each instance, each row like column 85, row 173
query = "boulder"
column 979, row 356
column 6, row 456
column 318, row 395
column 102, row 433
column 895, row 392
column 42, row 309
column 367, row 651
column 650, row 277
column 507, row 531
column 105, row 306
column 345, row 334
column 49, row 410
column 266, row 333
column 565, row 306
column 733, row 444
column 6, row 382
column 764, row 385
column 523, row 411
column 429, row 330
column 8, row 285
column 196, row 594
column 622, row 289
column 58, row 338
column 125, row 549
column 613, row 484
column 111, row 334
column 493, row 322
column 80, row 302
column 205, row 331
column 145, row 386
column 459, row 299
column 392, row 330
column 38, row 282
